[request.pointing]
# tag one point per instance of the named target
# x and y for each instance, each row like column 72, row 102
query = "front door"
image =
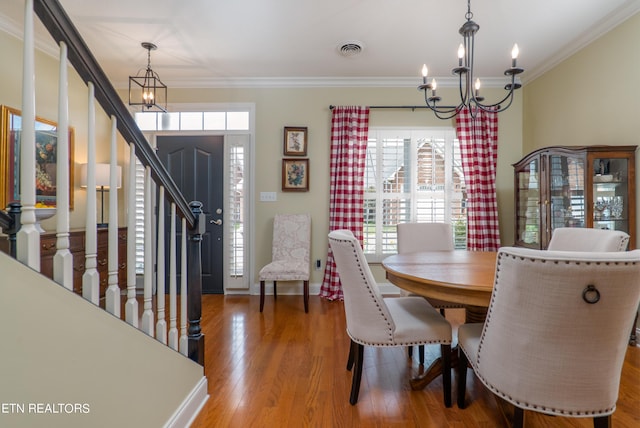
column 196, row 165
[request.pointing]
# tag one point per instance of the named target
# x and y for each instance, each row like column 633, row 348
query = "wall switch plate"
column 268, row 197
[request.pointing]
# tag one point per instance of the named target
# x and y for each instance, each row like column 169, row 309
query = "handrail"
column 62, row 29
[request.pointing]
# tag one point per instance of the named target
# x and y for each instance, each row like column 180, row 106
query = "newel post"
column 14, row 211
column 194, row 288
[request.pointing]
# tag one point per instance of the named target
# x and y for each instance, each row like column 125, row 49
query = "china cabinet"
column 574, row 186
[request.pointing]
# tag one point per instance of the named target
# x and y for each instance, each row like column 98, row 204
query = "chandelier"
column 469, row 90
column 146, row 89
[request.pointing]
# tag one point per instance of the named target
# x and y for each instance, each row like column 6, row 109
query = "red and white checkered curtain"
column 479, row 149
column 349, row 135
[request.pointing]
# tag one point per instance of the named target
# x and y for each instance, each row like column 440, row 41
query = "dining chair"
column 289, row 254
column 374, row 320
column 587, row 239
column 417, row 237
column 554, row 339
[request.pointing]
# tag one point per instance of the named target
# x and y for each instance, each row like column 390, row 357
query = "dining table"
column 458, row 276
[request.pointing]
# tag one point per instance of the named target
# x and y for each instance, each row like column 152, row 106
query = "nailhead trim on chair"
column 603, row 412
column 364, row 280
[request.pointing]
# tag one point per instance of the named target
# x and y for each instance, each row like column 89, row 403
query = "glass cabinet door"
column 566, row 191
column 528, row 204
column 610, row 194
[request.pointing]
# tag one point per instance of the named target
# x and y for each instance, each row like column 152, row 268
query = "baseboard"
column 190, row 407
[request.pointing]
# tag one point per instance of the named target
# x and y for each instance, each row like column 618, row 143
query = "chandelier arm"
column 442, row 110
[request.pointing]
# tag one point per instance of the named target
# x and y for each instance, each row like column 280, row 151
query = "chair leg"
column 352, row 354
column 275, row 290
column 462, row 377
column 602, row 421
column 410, row 351
column 357, row 374
column 421, row 354
column 442, row 311
column 445, row 350
column 633, row 338
column 518, row 417
column 261, row 295
column 306, row 296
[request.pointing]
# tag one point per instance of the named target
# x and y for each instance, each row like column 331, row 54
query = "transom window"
column 411, row 176
column 193, row 121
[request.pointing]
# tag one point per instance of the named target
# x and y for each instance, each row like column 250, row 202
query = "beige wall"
column 591, row 98
column 277, row 108
column 47, row 70
column 64, row 350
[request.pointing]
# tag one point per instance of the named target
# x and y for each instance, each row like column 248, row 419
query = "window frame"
column 381, row 199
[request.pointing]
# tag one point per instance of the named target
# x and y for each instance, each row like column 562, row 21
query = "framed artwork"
column 295, row 175
column 46, row 159
column 295, row 141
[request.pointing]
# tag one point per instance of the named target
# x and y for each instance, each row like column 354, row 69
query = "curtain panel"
column 478, row 136
column 349, row 135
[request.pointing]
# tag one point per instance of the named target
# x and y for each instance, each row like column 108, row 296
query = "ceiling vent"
column 350, row 48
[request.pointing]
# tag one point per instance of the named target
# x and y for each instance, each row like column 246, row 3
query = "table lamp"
column 102, row 183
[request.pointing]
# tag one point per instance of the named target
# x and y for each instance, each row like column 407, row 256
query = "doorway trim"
column 249, row 185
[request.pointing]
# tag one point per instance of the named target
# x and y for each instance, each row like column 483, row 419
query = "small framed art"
column 295, row 141
column 295, row 175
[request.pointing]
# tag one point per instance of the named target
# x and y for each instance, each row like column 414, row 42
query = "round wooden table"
column 464, row 277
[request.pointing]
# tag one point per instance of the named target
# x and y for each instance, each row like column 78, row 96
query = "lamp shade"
column 102, row 175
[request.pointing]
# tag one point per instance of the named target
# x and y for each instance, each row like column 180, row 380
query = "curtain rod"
column 331, row 107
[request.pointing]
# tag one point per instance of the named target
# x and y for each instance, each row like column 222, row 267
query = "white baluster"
column 28, row 238
column 184, row 340
column 161, row 323
column 173, row 329
column 112, row 295
column 147, row 313
column 131, row 307
column 91, row 278
column 63, row 259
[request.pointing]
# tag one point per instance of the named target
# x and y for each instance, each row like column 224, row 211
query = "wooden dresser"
column 77, row 248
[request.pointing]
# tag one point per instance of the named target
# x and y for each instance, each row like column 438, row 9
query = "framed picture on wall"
column 295, row 141
column 46, row 159
column 295, row 175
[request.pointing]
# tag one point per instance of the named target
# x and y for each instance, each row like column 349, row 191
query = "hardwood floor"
column 285, row 368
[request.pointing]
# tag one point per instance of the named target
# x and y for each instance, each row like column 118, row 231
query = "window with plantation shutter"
column 411, row 176
column 139, row 214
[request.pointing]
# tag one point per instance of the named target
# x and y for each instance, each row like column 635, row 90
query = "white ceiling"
column 204, row 43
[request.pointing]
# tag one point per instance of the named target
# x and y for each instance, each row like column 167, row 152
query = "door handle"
column 218, row 222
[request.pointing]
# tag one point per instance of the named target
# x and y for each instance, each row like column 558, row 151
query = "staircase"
column 97, row 369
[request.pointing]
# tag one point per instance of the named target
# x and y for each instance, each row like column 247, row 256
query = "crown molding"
column 607, row 24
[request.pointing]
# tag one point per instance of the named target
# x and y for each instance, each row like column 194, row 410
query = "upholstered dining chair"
column 416, row 237
column 587, row 239
column 554, row 339
column 289, row 254
column 373, row 320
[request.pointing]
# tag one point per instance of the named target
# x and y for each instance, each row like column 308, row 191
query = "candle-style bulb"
column 514, row 54
column 477, row 85
column 515, row 51
column 460, row 54
column 425, row 71
column 434, row 85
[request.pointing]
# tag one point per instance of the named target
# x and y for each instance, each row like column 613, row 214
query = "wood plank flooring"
column 285, row 368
